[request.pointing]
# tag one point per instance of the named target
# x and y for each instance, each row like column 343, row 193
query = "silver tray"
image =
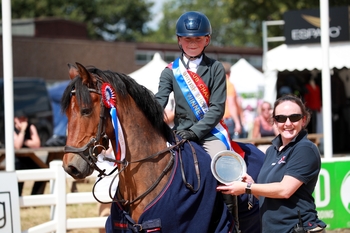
column 228, row 166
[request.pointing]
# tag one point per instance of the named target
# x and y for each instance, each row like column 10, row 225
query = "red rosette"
column 109, row 97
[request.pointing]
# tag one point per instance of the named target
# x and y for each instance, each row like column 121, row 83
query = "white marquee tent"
column 149, row 74
column 306, row 57
column 246, row 78
column 301, row 57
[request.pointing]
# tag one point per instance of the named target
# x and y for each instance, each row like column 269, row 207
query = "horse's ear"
column 85, row 75
column 73, row 71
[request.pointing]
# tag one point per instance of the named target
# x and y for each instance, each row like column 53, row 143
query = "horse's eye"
column 86, row 111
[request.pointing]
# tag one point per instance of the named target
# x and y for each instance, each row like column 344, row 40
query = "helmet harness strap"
column 190, row 57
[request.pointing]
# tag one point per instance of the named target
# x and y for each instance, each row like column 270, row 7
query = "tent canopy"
column 246, row 78
column 149, row 74
column 300, row 57
column 306, row 57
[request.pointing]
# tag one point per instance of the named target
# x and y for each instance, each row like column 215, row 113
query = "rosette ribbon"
column 109, row 99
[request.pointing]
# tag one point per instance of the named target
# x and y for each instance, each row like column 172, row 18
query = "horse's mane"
column 123, row 85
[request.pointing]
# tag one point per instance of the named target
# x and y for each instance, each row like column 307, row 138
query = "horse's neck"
column 142, row 141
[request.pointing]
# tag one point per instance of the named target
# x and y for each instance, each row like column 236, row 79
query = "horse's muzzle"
column 76, row 167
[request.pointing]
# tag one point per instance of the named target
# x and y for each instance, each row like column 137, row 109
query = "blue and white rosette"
column 109, row 99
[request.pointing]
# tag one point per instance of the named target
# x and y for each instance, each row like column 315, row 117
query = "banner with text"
column 332, row 193
column 304, row 26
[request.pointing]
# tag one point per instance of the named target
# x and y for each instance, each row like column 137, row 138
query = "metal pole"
column 265, row 44
column 326, row 81
column 264, row 34
column 8, row 84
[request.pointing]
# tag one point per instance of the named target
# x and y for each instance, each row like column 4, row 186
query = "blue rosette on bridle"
column 109, row 99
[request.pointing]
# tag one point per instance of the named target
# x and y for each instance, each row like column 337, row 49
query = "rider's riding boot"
column 229, row 201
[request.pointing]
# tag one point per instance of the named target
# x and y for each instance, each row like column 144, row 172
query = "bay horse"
column 165, row 182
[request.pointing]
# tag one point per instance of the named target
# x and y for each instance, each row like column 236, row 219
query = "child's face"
column 193, row 46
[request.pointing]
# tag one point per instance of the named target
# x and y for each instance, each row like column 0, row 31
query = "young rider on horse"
column 201, row 106
column 199, row 86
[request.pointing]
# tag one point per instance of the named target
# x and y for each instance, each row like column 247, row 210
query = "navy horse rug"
column 177, row 209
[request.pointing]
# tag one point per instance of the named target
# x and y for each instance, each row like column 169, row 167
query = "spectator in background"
column 249, row 115
column 26, row 135
column 232, row 115
column 60, row 120
column 263, row 123
column 312, row 98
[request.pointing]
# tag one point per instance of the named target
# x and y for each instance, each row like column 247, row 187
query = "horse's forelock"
column 81, row 92
column 65, row 100
column 83, row 95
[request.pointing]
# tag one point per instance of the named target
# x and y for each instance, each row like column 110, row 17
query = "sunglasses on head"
column 292, row 118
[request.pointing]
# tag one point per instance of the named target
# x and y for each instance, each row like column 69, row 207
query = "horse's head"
column 90, row 126
column 82, row 103
column 104, row 106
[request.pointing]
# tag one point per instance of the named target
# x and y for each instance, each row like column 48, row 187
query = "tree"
column 226, row 32
column 234, row 22
column 252, row 13
column 109, row 19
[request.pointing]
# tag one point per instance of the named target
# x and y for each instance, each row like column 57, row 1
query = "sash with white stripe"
column 197, row 95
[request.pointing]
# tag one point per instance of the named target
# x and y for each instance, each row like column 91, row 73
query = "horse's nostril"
column 73, row 170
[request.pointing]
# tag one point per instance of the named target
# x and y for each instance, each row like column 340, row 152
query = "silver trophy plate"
column 228, row 166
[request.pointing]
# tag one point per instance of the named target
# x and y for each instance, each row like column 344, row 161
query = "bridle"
column 88, row 151
column 89, row 154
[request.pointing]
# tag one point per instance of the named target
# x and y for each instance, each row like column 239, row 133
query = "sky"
column 157, row 12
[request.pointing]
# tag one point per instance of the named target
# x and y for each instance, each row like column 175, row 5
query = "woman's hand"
column 20, row 125
column 247, row 178
column 235, row 188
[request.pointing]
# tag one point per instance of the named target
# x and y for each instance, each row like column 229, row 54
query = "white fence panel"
column 57, row 199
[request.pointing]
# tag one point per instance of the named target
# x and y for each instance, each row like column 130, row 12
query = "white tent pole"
column 326, row 81
column 8, row 83
column 265, row 43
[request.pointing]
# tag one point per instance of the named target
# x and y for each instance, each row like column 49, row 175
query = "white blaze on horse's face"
column 73, row 105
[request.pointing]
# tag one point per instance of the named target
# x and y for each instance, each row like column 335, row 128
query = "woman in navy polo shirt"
column 289, row 174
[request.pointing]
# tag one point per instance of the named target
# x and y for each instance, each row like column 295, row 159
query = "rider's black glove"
column 187, row 134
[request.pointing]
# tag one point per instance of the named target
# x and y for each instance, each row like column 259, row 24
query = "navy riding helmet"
column 192, row 24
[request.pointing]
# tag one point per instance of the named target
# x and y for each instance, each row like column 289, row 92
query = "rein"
column 126, row 163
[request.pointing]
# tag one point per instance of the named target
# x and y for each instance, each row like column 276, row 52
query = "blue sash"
column 197, row 94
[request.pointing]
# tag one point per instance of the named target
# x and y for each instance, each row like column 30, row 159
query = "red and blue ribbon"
column 109, row 99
